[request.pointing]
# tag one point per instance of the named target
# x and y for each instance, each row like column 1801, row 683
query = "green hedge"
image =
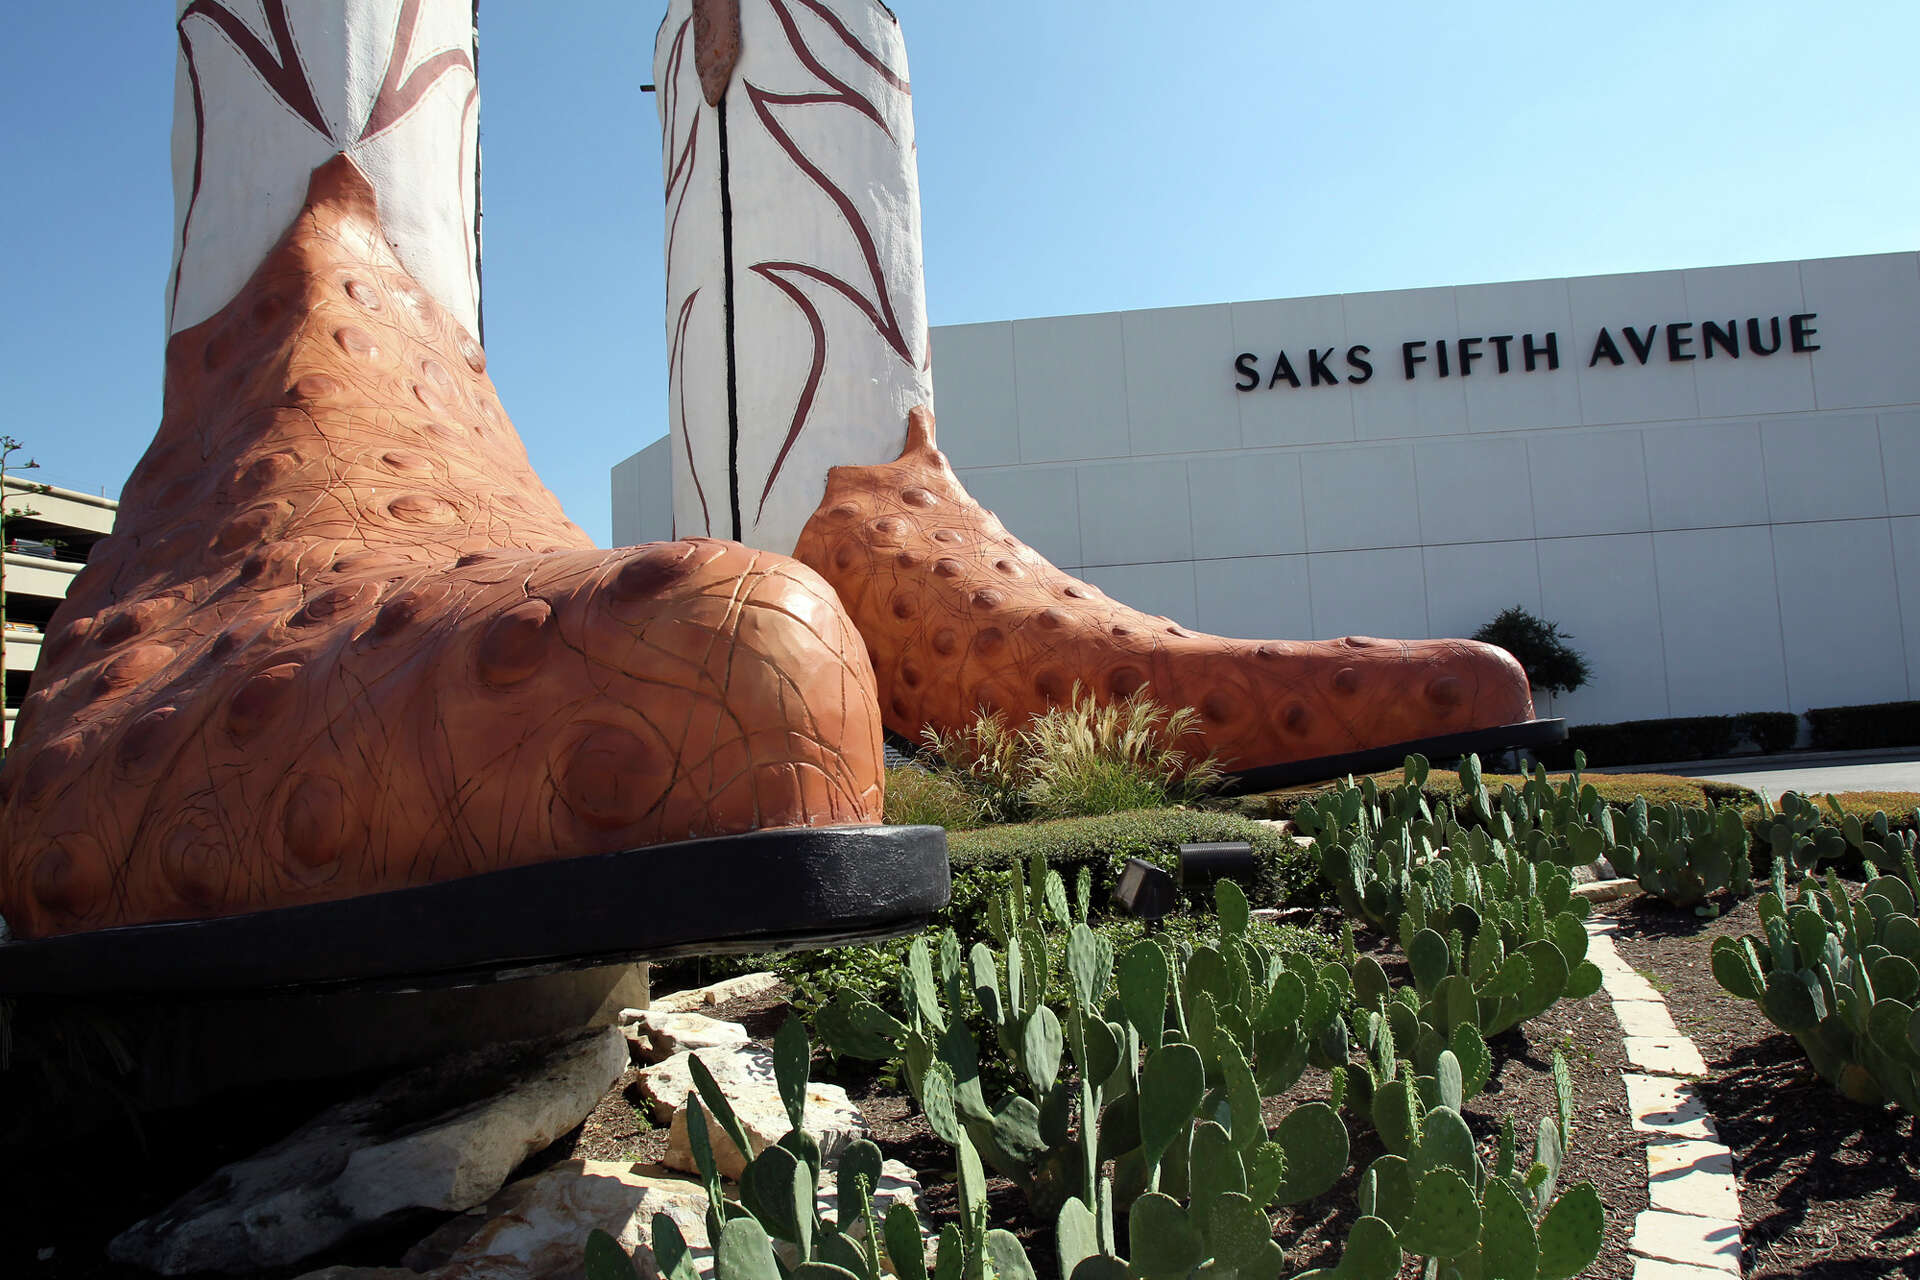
column 1619, row 790
column 1879, row 724
column 1682, row 738
column 1287, row 875
column 1286, row 872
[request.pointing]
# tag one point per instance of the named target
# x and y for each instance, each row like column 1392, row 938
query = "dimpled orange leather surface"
column 958, row 614
column 343, row 640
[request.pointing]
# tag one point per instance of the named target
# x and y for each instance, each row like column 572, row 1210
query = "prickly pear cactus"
column 1840, row 973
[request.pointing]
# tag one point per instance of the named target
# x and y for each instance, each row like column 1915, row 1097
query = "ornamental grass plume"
column 1086, row 757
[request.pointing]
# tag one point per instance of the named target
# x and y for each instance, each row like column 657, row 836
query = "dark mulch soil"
column 1828, row 1188
column 57, row 1199
column 1606, row 1151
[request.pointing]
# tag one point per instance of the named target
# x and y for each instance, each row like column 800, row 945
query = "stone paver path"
column 1692, row 1229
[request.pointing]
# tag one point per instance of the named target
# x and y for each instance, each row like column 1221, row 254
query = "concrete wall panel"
column 1825, row 468
column 1389, row 406
column 1588, row 482
column 977, row 416
column 1039, row 505
column 1134, row 512
column 1071, row 383
column 1839, row 657
column 1360, row 498
column 1368, row 593
column 1869, row 312
column 1720, row 619
column 1900, row 456
column 1747, row 383
column 1473, row 490
column 1518, row 400
column 1468, row 584
column 1180, row 395
column 1246, row 504
column 1906, row 566
column 1604, row 594
column 1165, row 589
column 1280, row 414
column 1254, row 597
column 1655, row 391
column 1704, row 477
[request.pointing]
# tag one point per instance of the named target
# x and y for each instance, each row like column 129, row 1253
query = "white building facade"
column 1709, row 477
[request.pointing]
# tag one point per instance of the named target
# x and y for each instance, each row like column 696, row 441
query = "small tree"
column 1540, row 647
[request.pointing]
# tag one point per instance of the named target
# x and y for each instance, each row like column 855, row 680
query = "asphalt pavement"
column 1885, row 771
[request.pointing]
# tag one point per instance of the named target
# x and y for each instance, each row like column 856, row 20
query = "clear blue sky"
column 1073, row 157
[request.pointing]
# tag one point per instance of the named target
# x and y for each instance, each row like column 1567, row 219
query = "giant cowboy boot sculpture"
column 347, row 689
column 798, row 357
column 961, row 616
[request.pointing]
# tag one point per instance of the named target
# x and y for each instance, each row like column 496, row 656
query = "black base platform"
column 1527, row 733
column 766, row 891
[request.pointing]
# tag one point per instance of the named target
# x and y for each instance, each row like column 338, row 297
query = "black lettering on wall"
column 1677, row 341
column 1603, row 346
column 1282, row 368
column 1246, row 362
column 1357, row 358
column 1318, row 374
column 1754, row 344
column 1550, row 349
column 1800, row 330
column 1440, row 350
column 1642, row 347
column 1500, row 341
column 1468, row 355
column 1409, row 356
column 1727, row 339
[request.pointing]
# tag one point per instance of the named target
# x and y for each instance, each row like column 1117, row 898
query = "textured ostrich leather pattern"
column 342, row 640
column 959, row 615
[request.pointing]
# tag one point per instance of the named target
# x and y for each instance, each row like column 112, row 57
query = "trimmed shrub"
column 1633, row 741
column 1899, row 806
column 1879, row 724
column 1618, row 789
column 1540, row 647
column 1680, row 738
column 980, row 859
column 1103, row 844
column 1771, row 731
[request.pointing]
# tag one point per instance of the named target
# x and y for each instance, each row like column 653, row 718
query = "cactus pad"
column 1570, row 1233
column 1445, row 1222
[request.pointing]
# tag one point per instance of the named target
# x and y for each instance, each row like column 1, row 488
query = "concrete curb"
column 1692, row 1224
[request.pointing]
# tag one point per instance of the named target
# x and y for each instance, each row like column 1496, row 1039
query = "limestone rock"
column 657, row 1036
column 831, row 1118
column 739, row 1070
column 745, row 1076
column 539, row 1226
column 694, row 998
column 899, row 1184
column 445, row 1137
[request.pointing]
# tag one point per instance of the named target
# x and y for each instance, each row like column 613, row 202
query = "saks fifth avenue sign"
column 1500, row 353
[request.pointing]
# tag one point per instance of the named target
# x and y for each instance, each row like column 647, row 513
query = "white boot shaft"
column 804, row 240
column 268, row 90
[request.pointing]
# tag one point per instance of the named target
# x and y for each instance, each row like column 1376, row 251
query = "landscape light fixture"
column 1207, row 861
column 1144, row 890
